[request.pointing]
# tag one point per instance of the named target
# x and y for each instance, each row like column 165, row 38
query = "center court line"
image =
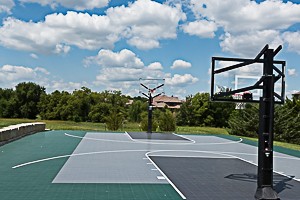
column 77, row 154
column 145, row 150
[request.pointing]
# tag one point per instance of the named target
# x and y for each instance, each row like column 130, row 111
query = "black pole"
column 150, row 114
column 265, row 189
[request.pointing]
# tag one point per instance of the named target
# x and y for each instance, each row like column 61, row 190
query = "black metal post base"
column 266, row 193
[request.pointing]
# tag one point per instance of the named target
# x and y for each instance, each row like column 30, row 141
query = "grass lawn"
column 89, row 126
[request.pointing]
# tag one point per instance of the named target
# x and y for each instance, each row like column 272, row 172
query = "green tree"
column 99, row 112
column 197, row 110
column 287, row 121
column 186, row 115
column 80, row 104
column 245, row 121
column 136, row 109
column 219, row 114
column 7, row 103
column 27, row 98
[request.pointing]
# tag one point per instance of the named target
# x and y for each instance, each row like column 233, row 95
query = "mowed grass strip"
column 129, row 126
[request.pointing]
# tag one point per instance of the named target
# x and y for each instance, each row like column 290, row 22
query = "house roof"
column 165, row 98
column 297, row 93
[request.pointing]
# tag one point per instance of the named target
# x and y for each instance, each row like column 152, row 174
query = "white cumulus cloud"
column 122, row 70
column 181, row 80
column 247, row 15
column 11, row 75
column 248, row 25
column 201, row 28
column 62, row 85
column 77, row 5
column 6, row 6
column 109, row 59
column 177, row 64
column 155, row 66
column 142, row 23
column 33, row 55
column 249, row 44
column 292, row 72
column 292, row 40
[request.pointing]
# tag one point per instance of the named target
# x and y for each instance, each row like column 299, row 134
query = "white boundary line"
column 183, row 137
column 190, row 151
column 218, row 143
column 193, row 142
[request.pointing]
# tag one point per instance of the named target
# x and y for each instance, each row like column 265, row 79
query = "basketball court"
column 89, row 165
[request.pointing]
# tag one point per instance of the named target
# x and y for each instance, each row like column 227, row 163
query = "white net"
column 239, row 105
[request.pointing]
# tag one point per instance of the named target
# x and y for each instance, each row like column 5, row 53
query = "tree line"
column 29, row 100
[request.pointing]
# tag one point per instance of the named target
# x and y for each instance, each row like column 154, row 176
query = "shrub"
column 167, row 121
column 114, row 120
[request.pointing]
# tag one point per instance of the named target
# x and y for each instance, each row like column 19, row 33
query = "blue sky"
column 110, row 44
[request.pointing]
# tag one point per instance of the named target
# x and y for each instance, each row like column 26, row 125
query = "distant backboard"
column 153, row 86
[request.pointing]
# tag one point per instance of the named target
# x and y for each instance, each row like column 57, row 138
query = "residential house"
column 166, row 101
column 296, row 95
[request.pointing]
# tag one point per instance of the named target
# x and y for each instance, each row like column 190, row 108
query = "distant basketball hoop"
column 152, row 86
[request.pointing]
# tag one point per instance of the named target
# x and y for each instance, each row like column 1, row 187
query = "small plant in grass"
column 114, row 120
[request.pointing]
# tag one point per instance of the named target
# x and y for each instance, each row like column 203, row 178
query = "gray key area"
column 108, row 158
column 155, row 136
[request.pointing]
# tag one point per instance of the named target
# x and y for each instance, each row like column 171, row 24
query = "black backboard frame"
column 223, row 96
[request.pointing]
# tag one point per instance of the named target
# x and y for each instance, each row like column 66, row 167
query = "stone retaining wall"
column 16, row 131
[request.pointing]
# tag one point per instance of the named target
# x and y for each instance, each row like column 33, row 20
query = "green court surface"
column 34, row 182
